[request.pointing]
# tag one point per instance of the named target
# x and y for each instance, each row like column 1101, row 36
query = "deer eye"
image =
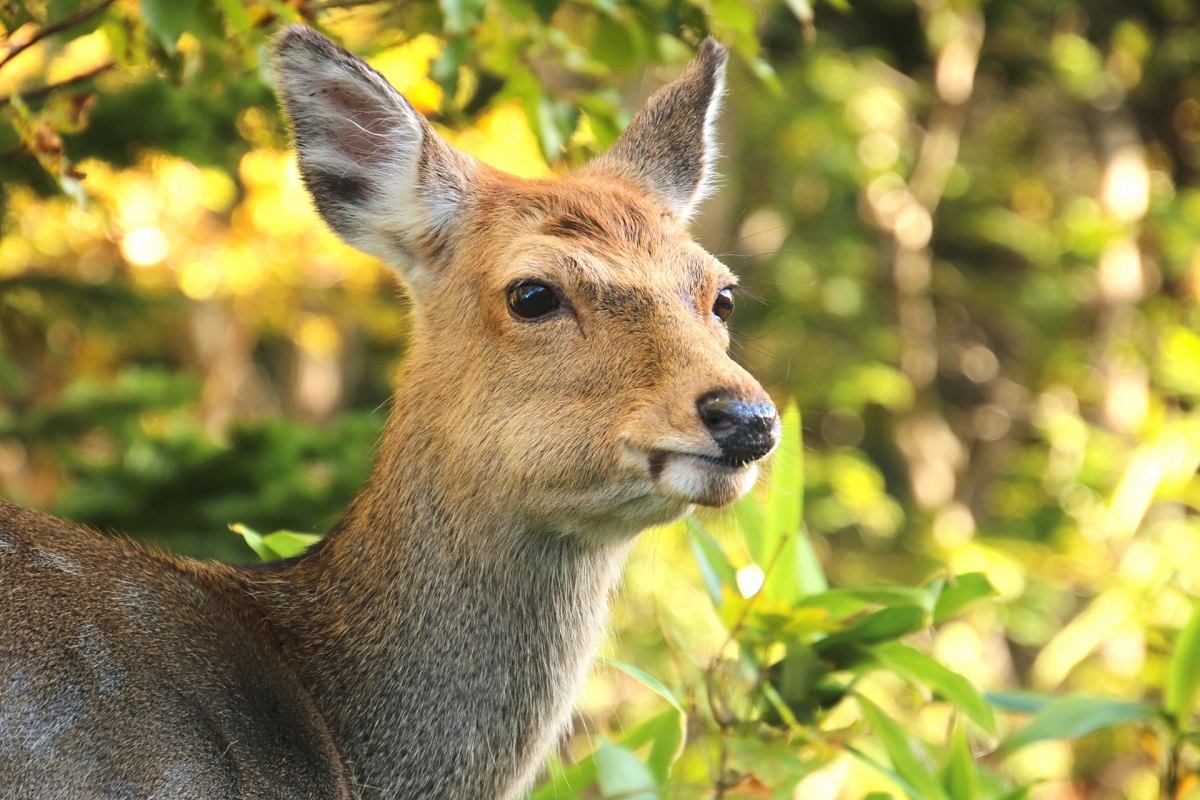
column 530, row 300
column 723, row 305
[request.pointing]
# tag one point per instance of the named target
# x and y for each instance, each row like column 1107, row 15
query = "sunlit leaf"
column 1072, row 716
column 959, row 774
column 671, row 733
column 1183, row 679
column 568, row 781
column 277, row 545
column 772, row 761
column 891, row 774
column 715, row 569
column 904, row 758
column 647, row 680
column 1019, row 702
column 59, row 10
column 287, row 544
column 1020, row 793
column 667, row 745
column 841, row 602
column 235, row 12
column 785, row 502
column 620, row 774
column 734, row 21
column 462, row 15
column 791, row 566
column 878, row 626
column 168, row 19
column 751, row 515
column 959, row 592
column 254, row 541
column 949, row 684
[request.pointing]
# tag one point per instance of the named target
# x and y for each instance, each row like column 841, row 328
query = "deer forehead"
column 600, row 241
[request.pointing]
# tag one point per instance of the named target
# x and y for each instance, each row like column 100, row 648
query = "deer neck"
column 444, row 644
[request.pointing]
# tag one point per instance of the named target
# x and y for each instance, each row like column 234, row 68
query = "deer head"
column 568, row 370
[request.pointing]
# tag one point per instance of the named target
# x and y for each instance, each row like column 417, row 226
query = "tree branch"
column 42, row 91
column 68, row 21
column 328, row 4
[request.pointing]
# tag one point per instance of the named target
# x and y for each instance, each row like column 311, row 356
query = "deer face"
column 569, row 353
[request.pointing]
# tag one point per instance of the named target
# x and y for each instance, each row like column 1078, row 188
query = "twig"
column 66, row 22
column 42, row 91
column 328, row 4
column 724, row 719
column 723, row 781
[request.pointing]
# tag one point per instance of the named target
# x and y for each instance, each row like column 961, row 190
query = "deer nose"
column 744, row 430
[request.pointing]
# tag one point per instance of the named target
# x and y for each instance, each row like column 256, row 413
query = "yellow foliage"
column 318, row 335
column 504, row 140
column 80, row 55
column 407, row 68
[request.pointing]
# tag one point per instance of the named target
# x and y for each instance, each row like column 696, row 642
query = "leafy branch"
column 42, row 91
column 69, row 21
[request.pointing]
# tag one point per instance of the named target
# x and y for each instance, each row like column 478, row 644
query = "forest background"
column 970, row 235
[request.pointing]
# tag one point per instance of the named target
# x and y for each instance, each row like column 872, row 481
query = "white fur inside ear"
column 711, row 151
column 669, row 149
column 376, row 171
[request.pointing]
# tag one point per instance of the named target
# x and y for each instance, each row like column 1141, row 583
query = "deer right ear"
column 378, row 173
column 669, row 148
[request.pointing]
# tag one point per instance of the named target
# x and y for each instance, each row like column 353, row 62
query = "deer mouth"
column 699, row 478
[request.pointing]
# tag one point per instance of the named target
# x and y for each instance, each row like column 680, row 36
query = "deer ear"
column 378, row 173
column 668, row 149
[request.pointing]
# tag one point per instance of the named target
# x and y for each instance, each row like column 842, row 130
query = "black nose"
column 745, row 431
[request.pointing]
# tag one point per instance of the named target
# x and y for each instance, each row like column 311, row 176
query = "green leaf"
column 1020, row 793
column 904, row 758
column 461, row 15
column 959, row 592
column 667, row 746
column 671, row 733
column 950, row 685
column 1018, row 702
column 959, row 776
column 887, row 772
column 570, row 781
column 619, row 773
column 752, row 521
column 254, row 540
column 168, row 19
column 844, row 602
column 646, row 679
column 58, row 10
column 798, row 683
column 1073, row 716
column 613, row 43
column 786, row 556
column 286, row 544
column 884, row 625
column 235, row 12
column 808, row 567
column 734, row 21
column 715, row 569
column 785, row 504
column 445, row 68
column 1183, row 679
column 545, row 9
column 277, row 545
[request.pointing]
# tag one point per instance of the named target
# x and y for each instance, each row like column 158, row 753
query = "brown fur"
column 432, row 645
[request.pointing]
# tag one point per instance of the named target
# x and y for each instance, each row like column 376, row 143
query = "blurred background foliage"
column 969, row 231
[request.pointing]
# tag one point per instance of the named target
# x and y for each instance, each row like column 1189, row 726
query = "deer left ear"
column 669, row 148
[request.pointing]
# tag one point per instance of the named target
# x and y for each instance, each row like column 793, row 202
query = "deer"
column 567, row 385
